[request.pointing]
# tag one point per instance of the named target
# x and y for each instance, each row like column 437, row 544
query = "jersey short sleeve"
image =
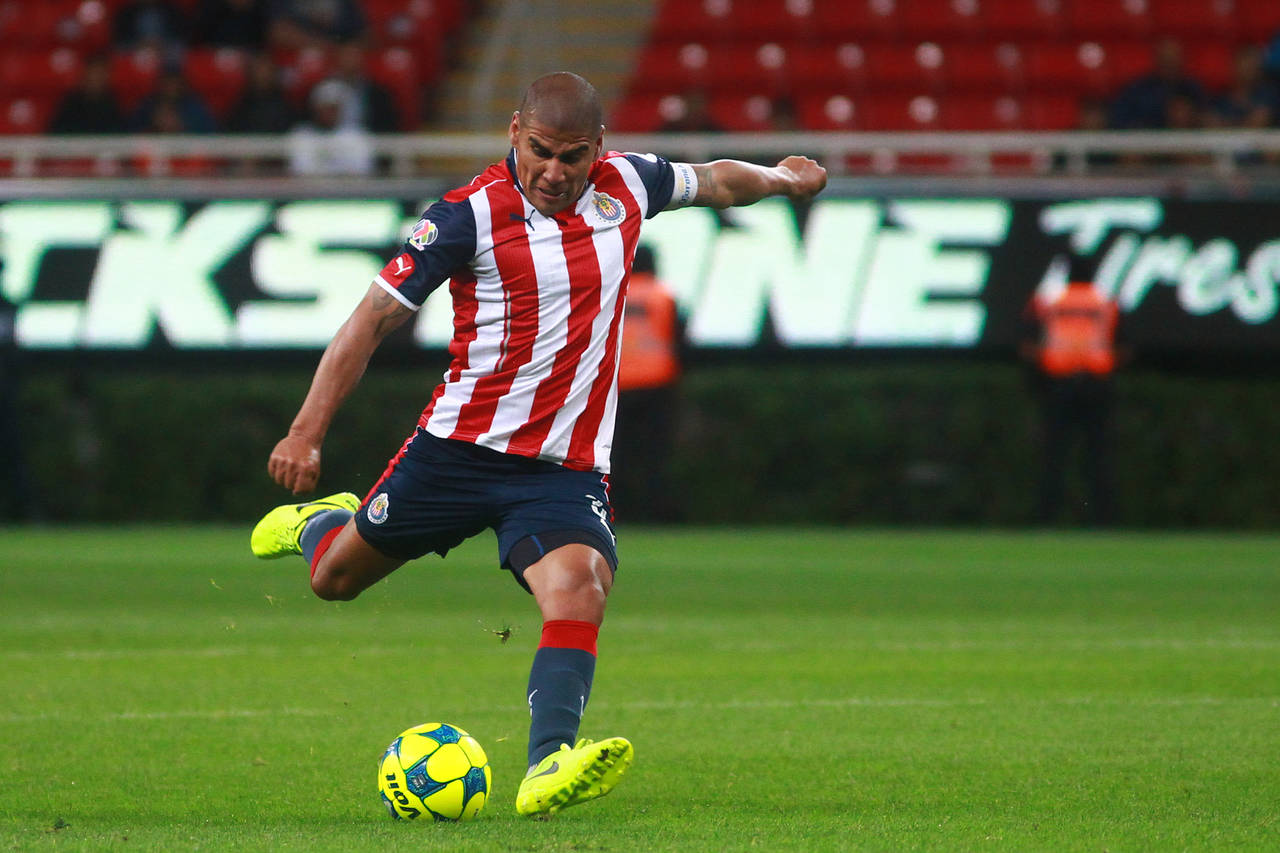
column 670, row 185
column 442, row 242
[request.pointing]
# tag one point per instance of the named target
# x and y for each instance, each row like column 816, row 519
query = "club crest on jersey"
column 398, row 269
column 607, row 208
column 378, row 507
column 424, row 233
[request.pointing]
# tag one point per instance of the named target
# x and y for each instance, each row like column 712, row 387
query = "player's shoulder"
column 639, row 161
column 494, row 175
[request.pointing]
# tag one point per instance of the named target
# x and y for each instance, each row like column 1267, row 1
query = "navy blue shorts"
column 436, row 492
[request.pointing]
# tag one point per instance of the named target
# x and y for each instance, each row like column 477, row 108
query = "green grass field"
column 800, row 690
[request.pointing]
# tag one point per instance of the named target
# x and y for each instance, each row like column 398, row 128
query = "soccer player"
column 516, row 438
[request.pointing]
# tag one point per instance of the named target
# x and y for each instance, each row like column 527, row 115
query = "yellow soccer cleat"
column 572, row 776
column 276, row 535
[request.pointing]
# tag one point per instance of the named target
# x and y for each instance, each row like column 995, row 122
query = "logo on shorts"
column 424, row 233
column 598, row 507
column 378, row 507
column 607, row 208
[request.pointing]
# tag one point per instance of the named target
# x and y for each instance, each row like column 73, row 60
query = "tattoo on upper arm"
column 389, row 312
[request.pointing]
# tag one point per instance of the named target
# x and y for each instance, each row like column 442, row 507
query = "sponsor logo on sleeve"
column 424, row 233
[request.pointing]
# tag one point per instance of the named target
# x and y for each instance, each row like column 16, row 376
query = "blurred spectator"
column 1271, row 59
column 91, row 107
column 173, row 108
column 1145, row 102
column 1251, row 100
column 648, row 380
column 231, row 23
column 321, row 145
column 16, row 499
column 297, row 24
column 372, row 105
column 150, row 23
column 263, row 106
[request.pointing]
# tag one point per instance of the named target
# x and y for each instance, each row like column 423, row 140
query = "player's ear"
column 600, row 143
column 514, row 131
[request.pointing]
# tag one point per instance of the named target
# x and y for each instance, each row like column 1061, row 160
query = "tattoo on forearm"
column 707, row 186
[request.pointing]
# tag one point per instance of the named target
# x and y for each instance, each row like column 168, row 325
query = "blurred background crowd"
column 347, row 68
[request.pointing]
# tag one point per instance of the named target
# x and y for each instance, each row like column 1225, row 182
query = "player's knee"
column 335, row 586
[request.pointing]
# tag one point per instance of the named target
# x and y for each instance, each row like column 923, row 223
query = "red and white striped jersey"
column 537, row 304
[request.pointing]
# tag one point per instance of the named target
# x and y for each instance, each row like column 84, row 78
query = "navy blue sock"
column 318, row 525
column 559, row 686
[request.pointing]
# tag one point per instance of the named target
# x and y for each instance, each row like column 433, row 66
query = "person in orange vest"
column 649, row 372
column 1071, row 341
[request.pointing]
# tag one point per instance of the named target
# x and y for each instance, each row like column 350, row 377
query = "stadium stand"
column 43, row 47
column 927, row 64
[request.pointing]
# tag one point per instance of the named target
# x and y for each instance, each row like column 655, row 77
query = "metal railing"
column 1217, row 155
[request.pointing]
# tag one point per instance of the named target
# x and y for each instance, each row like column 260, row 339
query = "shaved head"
column 563, row 101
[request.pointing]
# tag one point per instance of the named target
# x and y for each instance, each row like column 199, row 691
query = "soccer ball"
column 434, row 769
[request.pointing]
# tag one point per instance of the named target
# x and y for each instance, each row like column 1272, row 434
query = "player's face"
column 552, row 164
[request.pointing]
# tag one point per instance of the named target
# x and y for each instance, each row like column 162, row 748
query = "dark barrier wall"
column 939, row 443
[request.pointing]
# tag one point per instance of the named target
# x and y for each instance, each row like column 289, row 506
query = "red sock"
column 322, row 546
column 569, row 634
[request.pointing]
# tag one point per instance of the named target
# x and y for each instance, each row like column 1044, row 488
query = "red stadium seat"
column 747, row 67
column 1211, row 63
column 397, row 69
column 133, row 75
column 217, row 75
column 1051, row 112
column 41, row 71
column 1072, row 67
column 841, row 65
column 901, row 112
column 24, row 115
column 1126, row 61
column 906, row 66
column 943, row 19
column 742, row 113
column 671, row 67
column 985, row 67
column 858, row 19
column 828, row 111
column 1025, row 19
column 1109, row 19
column 640, row 113
column 1193, row 20
column 82, row 24
column 1259, row 19
column 693, row 20
column 771, row 20
column 982, row 112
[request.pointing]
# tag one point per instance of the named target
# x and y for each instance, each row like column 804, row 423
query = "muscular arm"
column 295, row 462
column 733, row 183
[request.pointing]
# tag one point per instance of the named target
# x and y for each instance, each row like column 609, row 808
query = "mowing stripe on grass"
column 682, row 705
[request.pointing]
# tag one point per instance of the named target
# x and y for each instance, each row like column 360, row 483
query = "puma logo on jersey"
column 398, row 269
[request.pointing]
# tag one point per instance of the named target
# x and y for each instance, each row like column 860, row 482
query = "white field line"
column 1030, row 644
column 677, row 705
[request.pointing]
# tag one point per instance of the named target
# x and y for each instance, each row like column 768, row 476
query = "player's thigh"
column 571, row 582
